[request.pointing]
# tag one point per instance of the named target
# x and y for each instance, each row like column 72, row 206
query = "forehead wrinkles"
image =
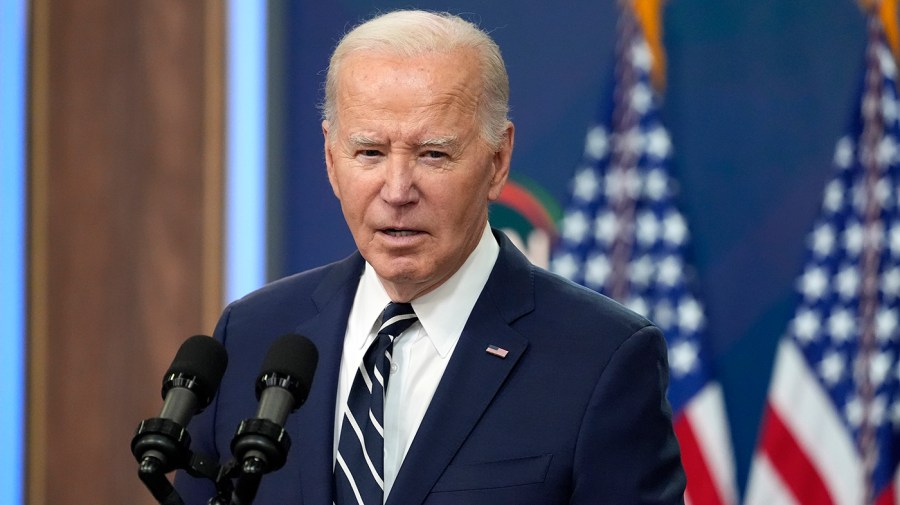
column 435, row 83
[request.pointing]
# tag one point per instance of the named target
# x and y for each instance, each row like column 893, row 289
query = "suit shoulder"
column 579, row 306
column 295, row 292
column 548, row 284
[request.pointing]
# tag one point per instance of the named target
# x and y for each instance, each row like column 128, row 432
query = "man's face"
column 409, row 167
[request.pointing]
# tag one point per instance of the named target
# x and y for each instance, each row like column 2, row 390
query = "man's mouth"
column 394, row 232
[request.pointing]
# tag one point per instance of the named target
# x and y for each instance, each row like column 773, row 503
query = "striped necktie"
column 359, row 469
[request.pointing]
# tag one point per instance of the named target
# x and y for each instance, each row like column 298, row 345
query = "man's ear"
column 329, row 160
column 501, row 162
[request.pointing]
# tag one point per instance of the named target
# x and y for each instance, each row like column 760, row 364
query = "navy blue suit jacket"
column 576, row 412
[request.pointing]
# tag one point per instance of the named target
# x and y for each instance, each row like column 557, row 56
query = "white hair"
column 411, row 33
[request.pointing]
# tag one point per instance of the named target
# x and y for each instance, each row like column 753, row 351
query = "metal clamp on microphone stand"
column 161, row 445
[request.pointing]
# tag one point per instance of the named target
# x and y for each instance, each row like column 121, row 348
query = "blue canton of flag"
column 844, row 333
column 623, row 236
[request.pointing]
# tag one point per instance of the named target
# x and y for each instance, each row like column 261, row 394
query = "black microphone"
column 189, row 385
column 261, row 444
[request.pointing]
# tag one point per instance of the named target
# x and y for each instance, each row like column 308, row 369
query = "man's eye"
column 370, row 153
column 435, row 155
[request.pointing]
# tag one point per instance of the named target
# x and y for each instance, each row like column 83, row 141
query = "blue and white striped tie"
column 359, row 469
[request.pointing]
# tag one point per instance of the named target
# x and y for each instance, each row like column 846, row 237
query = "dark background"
column 758, row 93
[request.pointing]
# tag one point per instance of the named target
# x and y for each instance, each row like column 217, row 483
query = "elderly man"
column 451, row 370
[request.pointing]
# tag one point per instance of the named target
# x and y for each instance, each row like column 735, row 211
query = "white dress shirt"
column 420, row 354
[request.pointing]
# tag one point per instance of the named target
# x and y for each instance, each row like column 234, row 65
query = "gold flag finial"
column 649, row 16
column 887, row 13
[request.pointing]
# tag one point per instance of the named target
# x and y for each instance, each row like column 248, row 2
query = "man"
column 511, row 385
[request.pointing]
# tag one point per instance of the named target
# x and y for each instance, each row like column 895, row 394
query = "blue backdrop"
column 758, row 94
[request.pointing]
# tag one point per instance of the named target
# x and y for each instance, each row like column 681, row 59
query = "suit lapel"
column 472, row 378
column 314, row 429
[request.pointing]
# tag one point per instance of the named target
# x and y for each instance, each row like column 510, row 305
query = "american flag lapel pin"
column 497, row 351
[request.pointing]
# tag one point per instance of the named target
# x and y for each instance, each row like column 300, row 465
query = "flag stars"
column 640, row 271
column 596, row 145
column 641, row 58
column 885, row 324
column 887, row 151
column 877, row 410
column 843, row 153
column 894, row 240
column 813, row 283
column 675, row 230
column 870, row 109
column 858, row 197
column 842, row 325
column 834, row 196
column 621, row 184
column 631, row 142
column 890, row 283
column 690, row 315
column 832, row 367
column 647, row 228
column 639, row 305
column 854, row 412
column 597, row 270
column 586, row 185
column 659, row 145
column 822, row 240
column 888, row 108
column 806, row 325
column 664, row 316
column 847, row 282
column 575, row 226
column 606, row 226
column 565, row 265
column 853, row 239
column 879, row 368
column 883, row 189
column 886, row 61
column 656, row 184
column 683, row 357
column 641, row 98
column 670, row 271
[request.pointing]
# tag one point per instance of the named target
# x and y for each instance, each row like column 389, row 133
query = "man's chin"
column 402, row 282
column 396, row 275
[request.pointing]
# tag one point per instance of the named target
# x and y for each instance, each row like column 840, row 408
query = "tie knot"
column 397, row 318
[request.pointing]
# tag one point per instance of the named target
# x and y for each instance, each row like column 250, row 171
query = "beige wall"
column 125, row 228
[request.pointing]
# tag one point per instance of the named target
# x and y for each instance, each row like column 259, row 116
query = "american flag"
column 623, row 236
column 831, row 421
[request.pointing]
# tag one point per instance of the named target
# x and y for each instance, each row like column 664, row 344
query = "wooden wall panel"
column 125, row 224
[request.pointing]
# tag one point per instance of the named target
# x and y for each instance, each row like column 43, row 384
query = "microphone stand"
column 161, row 445
column 248, row 478
column 260, row 446
column 151, row 474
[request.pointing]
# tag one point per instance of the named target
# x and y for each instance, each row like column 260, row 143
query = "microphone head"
column 198, row 365
column 290, row 364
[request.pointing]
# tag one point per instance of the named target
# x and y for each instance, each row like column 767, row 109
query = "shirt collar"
column 444, row 311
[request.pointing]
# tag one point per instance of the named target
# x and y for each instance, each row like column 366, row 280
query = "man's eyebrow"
column 363, row 140
column 445, row 141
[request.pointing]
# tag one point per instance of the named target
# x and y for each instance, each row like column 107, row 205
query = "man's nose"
column 399, row 187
